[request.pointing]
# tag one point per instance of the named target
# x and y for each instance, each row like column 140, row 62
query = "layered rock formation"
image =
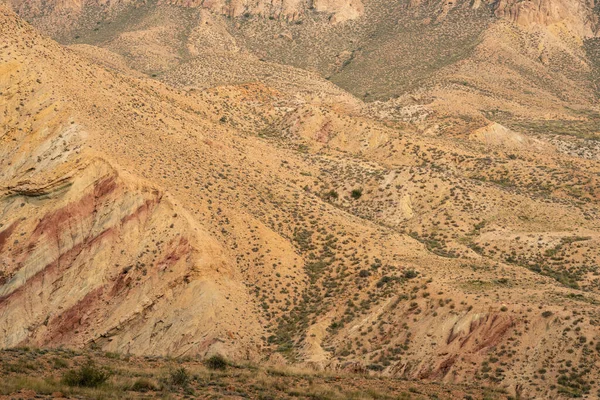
column 286, row 221
column 289, row 10
column 96, row 255
column 577, row 17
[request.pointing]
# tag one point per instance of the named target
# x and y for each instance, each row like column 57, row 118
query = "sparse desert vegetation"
column 282, row 206
column 33, row 373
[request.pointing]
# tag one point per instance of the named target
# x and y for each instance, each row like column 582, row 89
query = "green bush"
column 179, row 377
column 216, row 362
column 332, row 194
column 356, row 193
column 88, row 375
column 410, row 274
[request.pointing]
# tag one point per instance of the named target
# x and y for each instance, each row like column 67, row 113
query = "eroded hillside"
column 530, row 66
column 177, row 182
column 288, row 222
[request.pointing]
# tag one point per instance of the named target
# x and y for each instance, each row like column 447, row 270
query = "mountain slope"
column 97, row 253
column 289, row 226
column 519, row 60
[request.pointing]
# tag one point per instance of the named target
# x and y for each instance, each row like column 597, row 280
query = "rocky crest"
column 576, row 16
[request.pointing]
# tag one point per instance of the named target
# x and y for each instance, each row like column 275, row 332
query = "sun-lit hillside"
column 404, row 203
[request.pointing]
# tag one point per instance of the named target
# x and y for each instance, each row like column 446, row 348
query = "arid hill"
column 170, row 194
column 529, row 63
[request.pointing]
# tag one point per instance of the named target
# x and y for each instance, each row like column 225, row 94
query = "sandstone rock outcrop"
column 92, row 255
column 289, row 10
column 576, row 16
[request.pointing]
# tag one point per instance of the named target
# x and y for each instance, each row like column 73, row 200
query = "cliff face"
column 576, row 16
column 89, row 253
column 290, row 10
column 101, row 259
